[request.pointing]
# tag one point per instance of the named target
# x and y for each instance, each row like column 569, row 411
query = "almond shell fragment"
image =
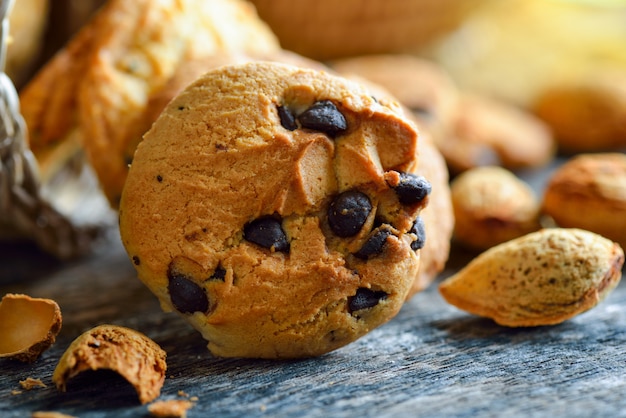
column 28, row 326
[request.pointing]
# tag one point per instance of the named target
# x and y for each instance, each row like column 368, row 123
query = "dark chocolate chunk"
column 420, row 232
column 365, row 299
column 374, row 244
column 287, row 119
column 219, row 274
column 324, row 117
column 412, row 188
column 268, row 233
column 348, row 212
column 186, row 295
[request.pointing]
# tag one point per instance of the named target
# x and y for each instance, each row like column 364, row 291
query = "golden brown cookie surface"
column 270, row 206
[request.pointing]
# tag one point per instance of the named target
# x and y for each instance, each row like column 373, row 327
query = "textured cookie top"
column 273, row 194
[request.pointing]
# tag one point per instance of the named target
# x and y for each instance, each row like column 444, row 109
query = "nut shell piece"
column 127, row 352
column 589, row 192
column 542, row 278
column 28, row 326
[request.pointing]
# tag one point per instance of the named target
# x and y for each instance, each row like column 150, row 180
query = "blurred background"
column 512, row 49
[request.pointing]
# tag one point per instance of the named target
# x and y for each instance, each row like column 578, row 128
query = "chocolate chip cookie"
column 276, row 208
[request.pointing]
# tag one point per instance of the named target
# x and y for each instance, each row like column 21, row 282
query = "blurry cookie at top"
column 276, row 208
column 330, row 29
column 588, row 114
column 487, row 131
column 92, row 89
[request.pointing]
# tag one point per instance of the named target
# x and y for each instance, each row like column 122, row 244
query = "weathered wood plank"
column 431, row 360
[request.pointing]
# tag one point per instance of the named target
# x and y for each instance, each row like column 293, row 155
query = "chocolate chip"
column 348, row 212
column 219, row 274
column 420, row 232
column 136, row 260
column 374, row 245
column 159, row 178
column 324, row 116
column 185, row 294
column 287, row 119
column 412, row 188
column 268, row 233
column 365, row 299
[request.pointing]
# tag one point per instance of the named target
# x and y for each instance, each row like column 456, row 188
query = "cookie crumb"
column 173, row 408
column 122, row 350
column 31, row 383
column 16, row 392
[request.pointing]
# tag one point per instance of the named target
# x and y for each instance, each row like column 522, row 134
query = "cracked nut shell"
column 28, row 326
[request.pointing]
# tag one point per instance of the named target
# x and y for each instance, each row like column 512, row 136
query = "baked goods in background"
column 488, row 131
column 515, row 50
column 28, row 21
column 492, row 206
column 587, row 115
column 274, row 208
column 103, row 77
column 589, row 192
column 327, row 29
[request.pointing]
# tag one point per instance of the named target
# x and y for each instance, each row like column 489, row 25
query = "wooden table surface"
column 431, row 360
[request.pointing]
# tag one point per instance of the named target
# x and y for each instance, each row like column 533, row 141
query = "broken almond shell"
column 122, row 350
column 28, row 326
column 542, row 278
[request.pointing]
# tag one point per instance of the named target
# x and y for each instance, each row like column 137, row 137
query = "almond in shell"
column 542, row 278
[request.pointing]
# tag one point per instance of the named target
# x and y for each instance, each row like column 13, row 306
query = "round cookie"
column 272, row 206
